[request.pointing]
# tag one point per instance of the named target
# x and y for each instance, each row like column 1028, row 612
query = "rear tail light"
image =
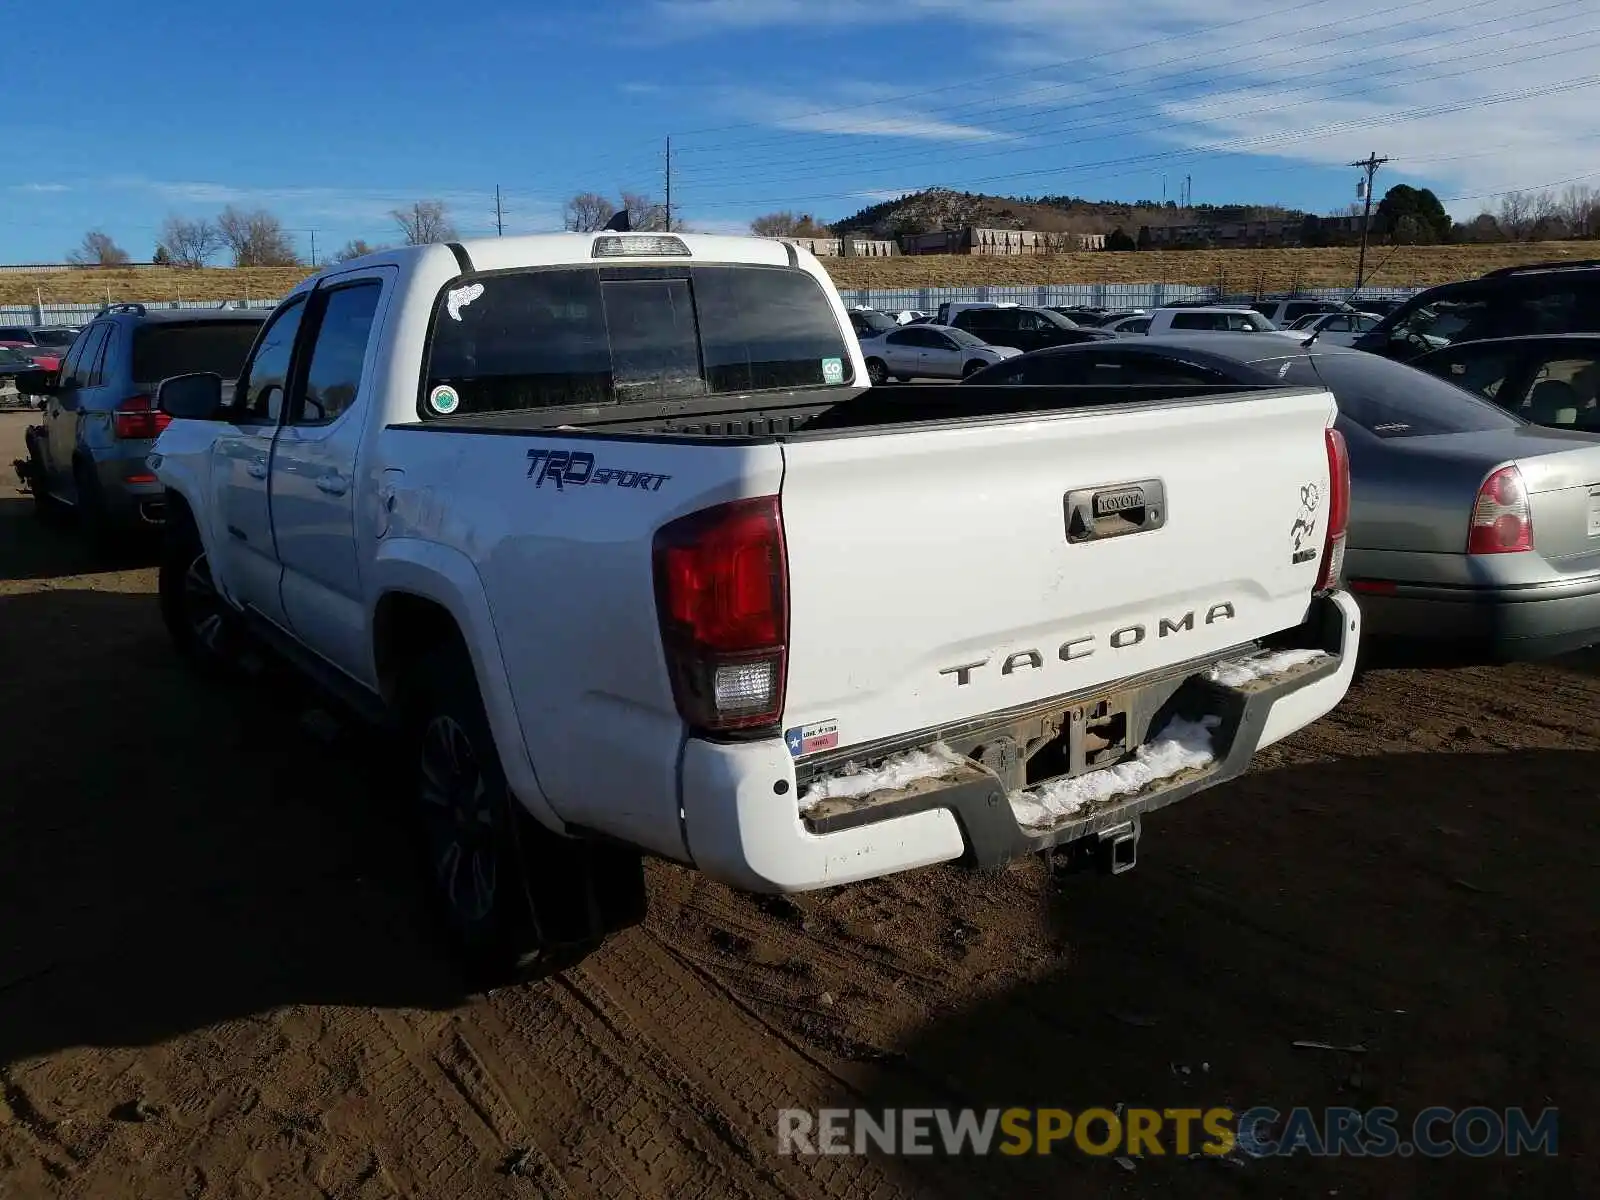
column 1501, row 522
column 1338, row 510
column 138, row 419
column 722, row 601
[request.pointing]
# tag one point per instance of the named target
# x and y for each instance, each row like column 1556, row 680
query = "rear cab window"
column 1389, row 399
column 163, row 350
column 580, row 337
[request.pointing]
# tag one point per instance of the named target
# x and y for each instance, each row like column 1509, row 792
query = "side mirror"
column 196, row 397
column 38, row 382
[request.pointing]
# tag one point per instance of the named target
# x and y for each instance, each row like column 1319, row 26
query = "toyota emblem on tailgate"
column 1115, row 509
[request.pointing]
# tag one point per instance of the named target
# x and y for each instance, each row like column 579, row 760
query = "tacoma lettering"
column 1077, row 648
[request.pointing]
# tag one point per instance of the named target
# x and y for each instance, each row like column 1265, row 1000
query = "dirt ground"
column 215, row 980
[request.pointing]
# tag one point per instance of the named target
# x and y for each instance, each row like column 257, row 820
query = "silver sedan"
column 1473, row 535
column 928, row 352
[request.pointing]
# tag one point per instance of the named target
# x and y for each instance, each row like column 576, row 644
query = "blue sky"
column 331, row 114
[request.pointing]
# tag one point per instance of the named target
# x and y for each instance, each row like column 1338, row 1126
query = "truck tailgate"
column 941, row 574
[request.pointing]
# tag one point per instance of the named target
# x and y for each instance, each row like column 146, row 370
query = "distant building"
column 1240, row 234
column 835, row 247
column 971, row 240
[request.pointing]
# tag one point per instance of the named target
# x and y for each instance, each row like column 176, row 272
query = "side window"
column 1336, row 324
column 260, row 391
column 1185, row 320
column 334, row 377
column 906, row 337
column 1541, row 311
column 1132, row 369
column 98, row 372
column 69, row 364
column 88, row 352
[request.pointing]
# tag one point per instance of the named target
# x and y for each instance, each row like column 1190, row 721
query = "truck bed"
column 792, row 416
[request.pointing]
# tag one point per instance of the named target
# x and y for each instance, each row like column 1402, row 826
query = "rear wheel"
column 877, row 372
column 497, row 885
column 972, row 368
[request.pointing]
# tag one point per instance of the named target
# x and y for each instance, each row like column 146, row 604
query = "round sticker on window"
column 444, row 400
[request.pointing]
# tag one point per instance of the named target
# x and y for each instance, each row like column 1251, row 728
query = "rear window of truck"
column 519, row 340
column 161, row 351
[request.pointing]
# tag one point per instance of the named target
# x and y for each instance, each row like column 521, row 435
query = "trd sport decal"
column 1305, row 525
column 576, row 467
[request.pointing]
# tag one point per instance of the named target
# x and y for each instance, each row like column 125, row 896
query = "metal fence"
column 1099, row 295
column 1106, row 295
column 78, row 314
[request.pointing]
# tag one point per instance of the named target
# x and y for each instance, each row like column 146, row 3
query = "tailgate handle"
column 1115, row 510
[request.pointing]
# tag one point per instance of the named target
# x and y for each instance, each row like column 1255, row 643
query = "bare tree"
column 190, row 243
column 425, row 222
column 256, row 239
column 1516, row 214
column 786, row 224
column 1580, row 209
column 97, row 250
column 356, row 248
column 647, row 215
column 588, row 212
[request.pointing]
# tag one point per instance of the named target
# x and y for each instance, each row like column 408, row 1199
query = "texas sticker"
column 808, row 739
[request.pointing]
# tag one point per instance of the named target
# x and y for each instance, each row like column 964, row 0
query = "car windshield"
column 1389, row 399
column 161, row 351
column 532, row 339
column 14, row 358
column 59, row 338
column 1440, row 323
column 1055, row 318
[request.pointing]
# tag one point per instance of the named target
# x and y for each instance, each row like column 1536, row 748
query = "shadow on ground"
column 53, row 547
column 177, row 853
column 1437, row 911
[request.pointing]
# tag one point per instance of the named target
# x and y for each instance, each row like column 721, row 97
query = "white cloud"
column 39, row 189
column 1288, row 81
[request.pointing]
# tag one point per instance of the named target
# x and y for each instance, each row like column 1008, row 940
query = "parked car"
column 1285, row 312
column 948, row 309
column 759, row 577
column 1378, row 307
column 55, row 337
column 869, row 322
column 12, row 363
column 1336, row 328
column 100, row 417
column 1128, row 326
column 1474, row 535
column 43, row 358
column 1548, row 378
column 908, row 316
column 928, row 352
column 1024, row 329
column 1211, row 318
column 1556, row 297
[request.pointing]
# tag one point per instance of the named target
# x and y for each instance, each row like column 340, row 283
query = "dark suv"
column 1555, row 297
column 100, row 417
column 1024, row 328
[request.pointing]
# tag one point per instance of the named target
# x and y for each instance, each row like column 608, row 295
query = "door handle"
column 257, row 468
column 333, row 483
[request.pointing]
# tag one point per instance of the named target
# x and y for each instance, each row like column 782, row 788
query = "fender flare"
column 185, row 488
column 449, row 579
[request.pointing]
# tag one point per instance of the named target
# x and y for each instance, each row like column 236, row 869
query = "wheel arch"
column 425, row 593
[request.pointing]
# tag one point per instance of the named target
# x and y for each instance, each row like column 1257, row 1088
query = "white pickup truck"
column 608, row 531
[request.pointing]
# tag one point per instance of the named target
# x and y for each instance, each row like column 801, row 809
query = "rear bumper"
column 743, row 824
column 131, row 494
column 1485, row 625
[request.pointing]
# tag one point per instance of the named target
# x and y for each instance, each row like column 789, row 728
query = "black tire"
column 479, row 850
column 877, row 372
column 901, row 378
column 972, row 368
column 200, row 623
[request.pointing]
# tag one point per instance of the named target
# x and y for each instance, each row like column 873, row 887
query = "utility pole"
column 1370, row 165
column 499, row 214
column 669, row 184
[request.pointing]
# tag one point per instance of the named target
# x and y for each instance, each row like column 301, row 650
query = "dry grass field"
column 1235, row 270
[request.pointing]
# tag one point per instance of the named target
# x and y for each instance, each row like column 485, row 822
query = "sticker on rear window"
column 444, row 400
column 833, row 370
column 458, row 298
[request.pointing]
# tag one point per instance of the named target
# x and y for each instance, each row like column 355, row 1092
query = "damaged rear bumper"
column 743, row 825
